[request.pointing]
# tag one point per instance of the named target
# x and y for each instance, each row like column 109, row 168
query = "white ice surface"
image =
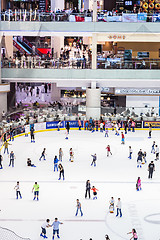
column 114, row 176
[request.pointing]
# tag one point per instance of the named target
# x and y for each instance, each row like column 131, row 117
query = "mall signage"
column 137, row 91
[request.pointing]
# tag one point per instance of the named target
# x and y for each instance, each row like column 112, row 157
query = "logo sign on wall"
column 73, row 124
column 154, row 124
column 52, row 125
column 136, row 91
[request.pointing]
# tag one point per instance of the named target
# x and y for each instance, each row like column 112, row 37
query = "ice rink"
column 113, row 176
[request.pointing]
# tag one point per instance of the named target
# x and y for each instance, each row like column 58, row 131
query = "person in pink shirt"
column 138, row 185
column 133, row 126
column 134, row 237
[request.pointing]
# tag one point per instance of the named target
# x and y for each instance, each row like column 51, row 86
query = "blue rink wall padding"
column 153, row 123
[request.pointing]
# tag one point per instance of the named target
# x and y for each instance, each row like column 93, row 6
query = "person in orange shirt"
column 94, row 192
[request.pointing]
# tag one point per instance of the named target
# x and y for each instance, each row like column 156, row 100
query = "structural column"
column 94, row 10
column 57, row 4
column 55, row 92
column 94, row 51
column 57, row 43
column 93, row 102
column 9, row 46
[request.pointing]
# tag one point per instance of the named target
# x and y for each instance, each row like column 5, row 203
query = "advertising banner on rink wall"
column 74, row 124
column 154, row 124
column 52, row 125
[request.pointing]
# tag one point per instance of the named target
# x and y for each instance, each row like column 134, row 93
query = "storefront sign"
column 129, row 17
column 142, row 17
column 137, row 91
column 154, row 124
column 116, row 37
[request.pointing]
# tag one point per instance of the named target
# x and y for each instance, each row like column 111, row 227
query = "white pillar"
column 94, row 51
column 94, row 10
column 86, row 4
column 57, row 4
column 57, row 43
column 55, row 92
column 9, row 46
column 93, row 103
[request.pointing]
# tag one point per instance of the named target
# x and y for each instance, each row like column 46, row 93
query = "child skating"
column 36, row 191
column 94, row 192
column 153, row 147
column 134, row 234
column 55, row 225
column 43, row 227
column 60, row 154
column 130, row 152
column 71, row 155
column 18, row 193
column 56, row 164
column 94, row 160
column 108, row 150
column 138, row 184
column 106, row 132
column 111, row 206
column 122, row 135
column 79, row 208
column 43, row 155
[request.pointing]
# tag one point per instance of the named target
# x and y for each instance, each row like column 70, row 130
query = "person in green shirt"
column 36, row 191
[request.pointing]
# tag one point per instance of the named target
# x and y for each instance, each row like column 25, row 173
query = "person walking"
column 12, row 157
column 88, row 188
column 61, row 171
column 43, row 227
column 56, row 163
column 79, row 208
column 18, row 193
column 55, row 225
column 36, row 191
column 151, row 169
column 119, row 207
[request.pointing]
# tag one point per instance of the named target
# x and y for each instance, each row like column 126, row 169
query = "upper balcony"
column 33, row 23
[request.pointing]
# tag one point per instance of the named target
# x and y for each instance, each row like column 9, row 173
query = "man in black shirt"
column 151, row 168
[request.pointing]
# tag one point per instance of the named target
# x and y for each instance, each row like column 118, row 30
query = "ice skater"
column 130, row 152
column 134, row 234
column 11, row 134
column 111, row 206
column 56, row 163
column 29, row 163
column 94, row 192
column 94, row 160
column 67, row 127
column 32, row 135
column 133, row 126
column 122, row 135
column 101, row 127
column 157, row 152
column 119, row 207
column 108, row 150
column 79, row 208
column 117, row 129
column 106, row 132
column 150, row 130
column 144, row 157
column 125, row 127
column 6, row 144
column 55, row 225
column 71, row 155
column 88, row 188
column 36, row 191
column 43, row 155
column 43, row 227
column 59, row 125
column 1, row 159
column 18, row 193
column 12, row 158
column 151, row 169
column 139, row 159
column 61, row 171
column 79, row 124
column 138, row 184
column 60, row 154
column 153, row 147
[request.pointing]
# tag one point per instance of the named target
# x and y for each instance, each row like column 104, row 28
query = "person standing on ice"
column 94, row 160
column 17, row 188
column 122, row 135
column 56, row 163
column 153, row 147
column 151, row 169
column 133, row 126
column 44, row 226
column 1, row 159
column 79, row 208
column 117, row 129
column 119, row 206
column 43, row 155
column 79, row 124
column 32, row 135
column 111, row 206
column 55, row 225
column 94, row 192
column 67, row 127
column 12, row 157
column 60, row 154
column 88, row 188
column 61, row 171
column 101, row 127
column 138, row 185
column 58, row 125
column 157, row 152
column 36, row 191
column 130, row 152
column 71, row 155
column 106, row 132
column 150, row 131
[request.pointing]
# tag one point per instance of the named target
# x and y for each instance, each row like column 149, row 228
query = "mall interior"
column 80, row 58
